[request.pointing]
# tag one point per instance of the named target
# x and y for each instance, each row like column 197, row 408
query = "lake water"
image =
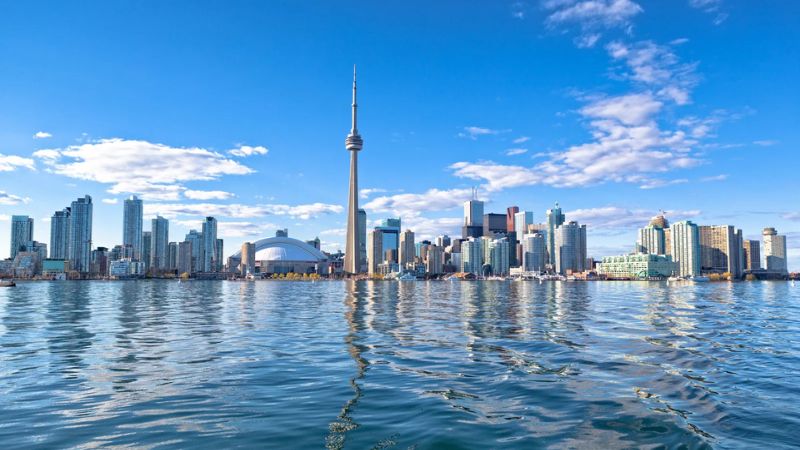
column 161, row 364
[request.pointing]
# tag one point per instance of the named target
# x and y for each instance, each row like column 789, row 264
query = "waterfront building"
column 774, row 251
column 210, row 256
column 651, row 240
column 494, row 224
column 147, row 249
column 354, row 143
column 248, row 261
column 21, row 232
column 185, row 258
column 471, row 256
column 59, row 234
column 55, row 268
column 570, row 248
column 195, row 238
column 283, row 254
column 511, row 218
column 99, row 262
column 26, row 264
column 172, row 256
column 522, row 220
column 80, row 234
column 720, row 249
column 36, row 247
column 407, row 249
column 434, row 260
column 219, row 251
column 132, row 215
column 534, row 252
column 685, row 248
column 390, row 234
column 498, row 256
column 362, row 239
column 159, row 243
column 127, row 268
column 667, row 241
column 473, row 218
column 752, row 255
column 374, row 250
column 639, row 265
column 388, row 268
column 555, row 218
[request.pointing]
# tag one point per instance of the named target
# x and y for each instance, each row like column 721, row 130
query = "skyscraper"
column 159, row 243
column 80, row 234
column 434, row 260
column 196, row 239
column 534, row 252
column 248, row 264
column 407, row 249
column 522, row 220
column 752, row 255
column 172, row 256
column 59, row 234
column 132, row 226
column 511, row 218
column 570, row 247
column 494, row 223
column 554, row 220
column 473, row 218
column 651, row 240
column 471, row 256
column 21, row 233
column 498, row 256
column 210, row 256
column 362, row 238
column 374, row 252
column 685, row 241
column 219, row 249
column 774, row 251
column 185, row 258
column 147, row 249
column 720, row 249
column 354, row 144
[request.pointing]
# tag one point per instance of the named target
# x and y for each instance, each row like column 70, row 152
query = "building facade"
column 59, row 234
column 159, row 243
column 210, row 256
column 471, row 256
column 21, row 232
column 685, row 250
column 651, row 240
column 570, row 248
column 555, row 218
column 132, row 215
column 407, row 249
column 752, row 255
column 638, row 265
column 80, row 234
column 774, row 251
column 534, row 252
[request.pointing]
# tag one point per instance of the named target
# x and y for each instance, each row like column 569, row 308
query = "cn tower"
column 353, row 143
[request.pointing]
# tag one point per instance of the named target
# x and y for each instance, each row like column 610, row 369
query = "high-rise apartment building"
column 720, row 249
column 21, row 233
column 471, row 256
column 555, row 218
column 219, row 249
column 210, row 256
column 132, row 214
column 80, row 234
column 651, row 240
column 752, row 255
column 147, row 250
column 498, row 256
column 570, row 248
column 774, row 251
column 473, row 218
column 198, row 259
column 185, row 258
column 172, row 256
column 159, row 243
column 522, row 220
column 59, row 234
column 434, row 260
column 407, row 249
column 685, row 250
column 248, row 263
column 534, row 252
column 511, row 217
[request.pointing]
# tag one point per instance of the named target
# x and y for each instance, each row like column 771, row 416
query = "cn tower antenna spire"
column 355, row 104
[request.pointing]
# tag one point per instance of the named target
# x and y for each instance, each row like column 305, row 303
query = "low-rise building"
column 637, row 266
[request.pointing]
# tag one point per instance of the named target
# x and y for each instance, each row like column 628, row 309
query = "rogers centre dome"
column 282, row 254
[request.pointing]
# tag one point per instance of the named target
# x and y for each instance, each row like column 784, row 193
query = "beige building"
column 721, row 249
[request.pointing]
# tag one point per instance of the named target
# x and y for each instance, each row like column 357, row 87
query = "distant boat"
column 7, row 283
column 407, row 277
column 699, row 279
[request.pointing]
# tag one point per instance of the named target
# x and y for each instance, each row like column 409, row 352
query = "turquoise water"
column 163, row 364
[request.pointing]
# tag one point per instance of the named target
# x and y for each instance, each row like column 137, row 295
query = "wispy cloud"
column 720, row 177
column 475, row 132
column 516, row 151
column 367, row 192
column 592, row 17
column 766, row 142
column 241, row 211
column 207, row 195
column 408, row 205
column 42, row 135
column 10, row 163
column 110, row 201
column 711, row 7
column 521, row 140
column 11, row 199
column 615, row 217
column 246, row 150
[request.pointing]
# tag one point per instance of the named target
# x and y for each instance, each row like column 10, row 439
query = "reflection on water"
column 399, row 365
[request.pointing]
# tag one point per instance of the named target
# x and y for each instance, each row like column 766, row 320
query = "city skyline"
column 717, row 159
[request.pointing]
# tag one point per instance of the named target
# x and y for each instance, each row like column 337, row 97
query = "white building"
column 210, row 258
column 534, row 252
column 570, row 248
column 638, row 265
column 774, row 251
column 80, row 234
column 471, row 256
column 522, row 220
column 685, row 247
column 651, row 240
column 132, row 226
column 498, row 256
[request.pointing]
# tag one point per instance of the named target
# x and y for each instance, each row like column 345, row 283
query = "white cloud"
column 766, row 142
column 591, row 16
column 154, row 171
column 720, row 177
column 110, row 201
column 521, row 140
column 407, row 205
column 656, row 66
column 207, row 195
column 614, row 217
column 367, row 192
column 246, row 150
column 712, row 7
column 475, row 132
column 334, row 232
column 429, row 228
column 234, row 229
column 240, row 211
column 10, row 163
column 11, row 199
column 4, row 217
column 630, row 109
column 516, row 151
column 42, row 135
column 654, row 183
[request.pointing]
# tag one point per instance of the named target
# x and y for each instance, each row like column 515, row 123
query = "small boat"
column 10, row 283
column 699, row 279
column 407, row 277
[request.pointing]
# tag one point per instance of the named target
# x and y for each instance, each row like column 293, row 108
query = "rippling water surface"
column 396, row 365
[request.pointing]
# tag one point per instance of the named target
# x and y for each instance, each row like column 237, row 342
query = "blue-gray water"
column 217, row 365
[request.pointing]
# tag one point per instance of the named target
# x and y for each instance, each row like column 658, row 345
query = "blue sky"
column 614, row 108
